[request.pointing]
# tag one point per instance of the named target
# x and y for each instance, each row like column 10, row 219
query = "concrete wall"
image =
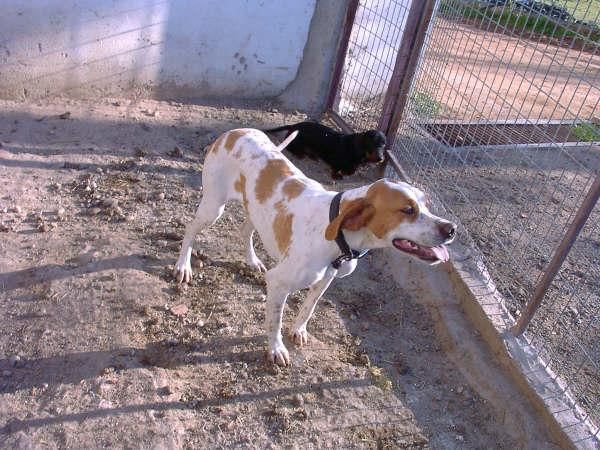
column 184, row 49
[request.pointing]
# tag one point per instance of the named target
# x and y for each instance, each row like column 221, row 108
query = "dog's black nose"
column 448, row 229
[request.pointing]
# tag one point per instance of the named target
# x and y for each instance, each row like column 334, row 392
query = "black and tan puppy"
column 344, row 153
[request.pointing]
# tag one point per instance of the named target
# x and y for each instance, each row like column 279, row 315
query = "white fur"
column 307, row 263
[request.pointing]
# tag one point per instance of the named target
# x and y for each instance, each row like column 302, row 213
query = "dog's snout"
column 447, row 229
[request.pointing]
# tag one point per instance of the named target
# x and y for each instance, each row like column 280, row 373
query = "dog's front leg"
column 299, row 333
column 206, row 214
column 276, row 296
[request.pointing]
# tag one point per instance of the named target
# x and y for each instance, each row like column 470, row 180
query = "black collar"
column 347, row 253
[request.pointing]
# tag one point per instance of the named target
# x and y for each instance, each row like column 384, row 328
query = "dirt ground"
column 101, row 348
column 477, row 74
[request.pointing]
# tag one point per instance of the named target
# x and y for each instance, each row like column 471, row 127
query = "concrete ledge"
column 507, row 371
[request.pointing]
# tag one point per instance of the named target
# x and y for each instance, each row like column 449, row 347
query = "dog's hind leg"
column 208, row 212
column 315, row 292
column 251, row 258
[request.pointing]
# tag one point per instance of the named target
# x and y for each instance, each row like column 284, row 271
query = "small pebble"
column 94, row 211
column 104, row 404
column 14, row 360
column 179, row 310
column 110, row 202
column 165, row 390
column 297, row 400
column 172, row 342
column 160, row 196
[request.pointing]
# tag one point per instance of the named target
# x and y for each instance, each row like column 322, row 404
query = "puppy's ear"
column 354, row 216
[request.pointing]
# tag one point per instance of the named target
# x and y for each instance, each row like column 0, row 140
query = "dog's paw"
column 183, row 272
column 278, row 354
column 257, row 264
column 300, row 337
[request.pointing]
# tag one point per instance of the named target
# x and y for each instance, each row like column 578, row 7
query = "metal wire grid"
column 515, row 203
column 374, row 42
column 571, row 314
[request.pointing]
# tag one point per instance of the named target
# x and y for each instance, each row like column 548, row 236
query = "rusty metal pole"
column 340, row 58
column 407, row 59
column 559, row 256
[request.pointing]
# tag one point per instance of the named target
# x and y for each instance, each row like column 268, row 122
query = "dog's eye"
column 409, row 210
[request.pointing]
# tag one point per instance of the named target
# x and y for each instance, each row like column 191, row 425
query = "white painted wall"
column 374, row 44
column 193, row 49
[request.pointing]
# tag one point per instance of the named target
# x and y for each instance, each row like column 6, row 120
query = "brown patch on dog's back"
column 232, row 138
column 282, row 227
column 274, row 171
column 293, row 188
column 240, row 186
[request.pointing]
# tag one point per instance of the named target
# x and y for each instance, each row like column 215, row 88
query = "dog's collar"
column 347, row 253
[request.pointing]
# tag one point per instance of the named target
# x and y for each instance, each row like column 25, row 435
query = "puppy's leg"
column 251, row 258
column 313, row 295
column 208, row 212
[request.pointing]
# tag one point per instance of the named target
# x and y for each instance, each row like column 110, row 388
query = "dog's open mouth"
column 429, row 254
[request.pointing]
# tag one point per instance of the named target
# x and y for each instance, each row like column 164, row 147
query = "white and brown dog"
column 292, row 215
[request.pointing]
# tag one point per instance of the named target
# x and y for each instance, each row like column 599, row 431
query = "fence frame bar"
column 561, row 252
column 407, row 59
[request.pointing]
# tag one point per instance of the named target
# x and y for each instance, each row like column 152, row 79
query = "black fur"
column 344, row 153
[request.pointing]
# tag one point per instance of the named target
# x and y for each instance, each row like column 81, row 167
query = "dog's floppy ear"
column 353, row 217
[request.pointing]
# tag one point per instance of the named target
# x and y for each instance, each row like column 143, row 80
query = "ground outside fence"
column 101, row 348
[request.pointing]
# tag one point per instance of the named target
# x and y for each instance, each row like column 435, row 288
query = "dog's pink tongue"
column 441, row 252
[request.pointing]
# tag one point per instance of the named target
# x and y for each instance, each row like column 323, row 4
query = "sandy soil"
column 101, row 348
column 477, row 74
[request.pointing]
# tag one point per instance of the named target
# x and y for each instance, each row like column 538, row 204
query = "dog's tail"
column 287, row 141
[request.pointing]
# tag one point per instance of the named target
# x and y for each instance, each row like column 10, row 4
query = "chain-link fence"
column 492, row 106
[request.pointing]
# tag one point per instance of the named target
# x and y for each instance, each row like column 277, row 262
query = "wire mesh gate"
column 492, row 107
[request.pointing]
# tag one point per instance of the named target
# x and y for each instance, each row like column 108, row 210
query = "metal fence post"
column 413, row 38
column 560, row 254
